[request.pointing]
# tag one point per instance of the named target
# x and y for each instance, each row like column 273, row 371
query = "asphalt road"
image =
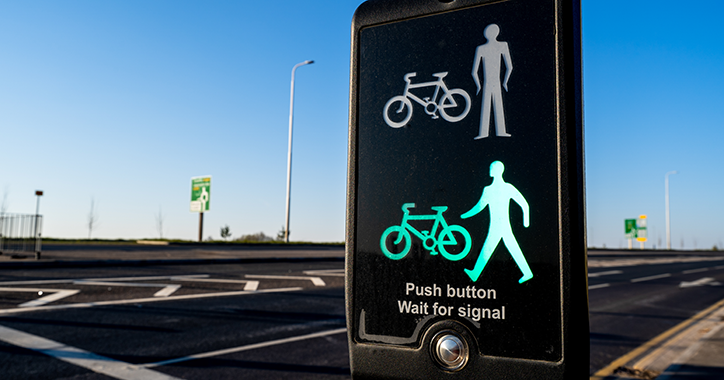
column 631, row 304
column 209, row 312
column 277, row 320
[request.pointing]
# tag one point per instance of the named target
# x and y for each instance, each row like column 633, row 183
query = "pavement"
column 693, row 350
column 704, row 360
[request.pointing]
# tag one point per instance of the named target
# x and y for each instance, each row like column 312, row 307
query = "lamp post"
column 289, row 154
column 38, row 193
column 668, row 220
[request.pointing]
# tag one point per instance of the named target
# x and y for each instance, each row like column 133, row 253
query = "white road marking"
column 699, row 282
column 147, row 278
column 695, row 270
column 70, row 281
column 606, row 273
column 326, row 272
column 167, row 290
column 649, row 278
column 250, row 285
column 599, row 286
column 36, row 282
column 113, row 283
column 245, row 348
column 58, row 295
column 55, row 294
column 144, row 300
column 315, row 280
column 81, row 358
column 625, row 262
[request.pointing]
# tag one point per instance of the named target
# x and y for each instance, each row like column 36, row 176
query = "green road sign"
column 636, row 228
column 630, row 228
column 200, row 194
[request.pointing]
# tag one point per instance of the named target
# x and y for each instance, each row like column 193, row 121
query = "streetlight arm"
column 289, row 152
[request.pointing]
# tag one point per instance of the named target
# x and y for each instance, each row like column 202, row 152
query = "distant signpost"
column 641, row 230
column 636, row 229
column 200, row 194
column 201, row 199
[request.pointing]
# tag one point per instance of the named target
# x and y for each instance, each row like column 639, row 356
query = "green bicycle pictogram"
column 444, row 241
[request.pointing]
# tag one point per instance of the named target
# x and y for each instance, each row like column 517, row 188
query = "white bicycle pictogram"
column 447, row 104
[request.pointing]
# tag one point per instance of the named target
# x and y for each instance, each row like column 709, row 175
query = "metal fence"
column 21, row 234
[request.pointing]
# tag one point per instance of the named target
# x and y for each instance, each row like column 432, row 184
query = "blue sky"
column 654, row 90
column 123, row 102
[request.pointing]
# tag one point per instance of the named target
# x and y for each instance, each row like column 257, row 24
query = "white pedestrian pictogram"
column 490, row 54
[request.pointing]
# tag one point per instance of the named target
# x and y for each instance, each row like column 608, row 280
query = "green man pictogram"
column 497, row 197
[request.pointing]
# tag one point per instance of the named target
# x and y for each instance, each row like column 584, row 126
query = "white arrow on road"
column 699, row 282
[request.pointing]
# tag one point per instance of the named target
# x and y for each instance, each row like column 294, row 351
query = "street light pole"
column 38, row 193
column 668, row 220
column 289, row 154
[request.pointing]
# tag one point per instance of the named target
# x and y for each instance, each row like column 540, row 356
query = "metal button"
column 449, row 350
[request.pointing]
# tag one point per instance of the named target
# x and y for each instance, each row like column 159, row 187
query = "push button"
column 449, row 350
